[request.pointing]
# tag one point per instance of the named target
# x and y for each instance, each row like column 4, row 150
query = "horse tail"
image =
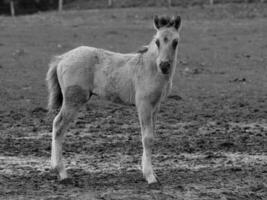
column 55, row 97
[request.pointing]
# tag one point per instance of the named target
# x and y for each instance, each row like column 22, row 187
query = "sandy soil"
column 211, row 140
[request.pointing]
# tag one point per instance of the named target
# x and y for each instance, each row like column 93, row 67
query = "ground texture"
column 211, row 140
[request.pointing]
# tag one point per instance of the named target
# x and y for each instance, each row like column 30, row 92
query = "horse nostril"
column 165, row 66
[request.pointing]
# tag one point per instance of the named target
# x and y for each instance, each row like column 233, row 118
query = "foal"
column 143, row 79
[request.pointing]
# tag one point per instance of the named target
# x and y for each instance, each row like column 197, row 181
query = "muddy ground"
column 211, row 140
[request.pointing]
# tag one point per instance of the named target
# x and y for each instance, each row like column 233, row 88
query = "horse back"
column 114, row 77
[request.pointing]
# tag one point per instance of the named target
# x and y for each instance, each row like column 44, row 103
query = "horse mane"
column 142, row 49
column 165, row 21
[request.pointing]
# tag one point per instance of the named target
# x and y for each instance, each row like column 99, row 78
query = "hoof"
column 61, row 174
column 155, row 186
column 152, row 178
column 66, row 181
column 53, row 171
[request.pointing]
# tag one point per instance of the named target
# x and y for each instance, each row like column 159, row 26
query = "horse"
column 142, row 79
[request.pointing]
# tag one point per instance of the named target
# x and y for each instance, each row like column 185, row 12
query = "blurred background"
column 31, row 6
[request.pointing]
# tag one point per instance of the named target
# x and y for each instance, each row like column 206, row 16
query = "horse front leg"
column 146, row 115
column 154, row 117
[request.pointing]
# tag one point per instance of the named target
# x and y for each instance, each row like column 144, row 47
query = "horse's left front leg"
column 145, row 113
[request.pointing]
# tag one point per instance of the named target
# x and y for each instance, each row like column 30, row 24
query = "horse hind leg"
column 59, row 125
column 73, row 98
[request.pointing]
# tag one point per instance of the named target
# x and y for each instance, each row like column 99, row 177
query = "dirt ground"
column 211, row 140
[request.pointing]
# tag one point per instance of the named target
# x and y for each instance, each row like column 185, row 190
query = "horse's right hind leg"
column 60, row 124
column 74, row 97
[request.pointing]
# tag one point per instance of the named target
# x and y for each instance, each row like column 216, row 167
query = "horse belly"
column 122, row 94
column 115, row 87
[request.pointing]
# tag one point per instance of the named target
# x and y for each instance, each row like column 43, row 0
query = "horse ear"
column 156, row 22
column 177, row 22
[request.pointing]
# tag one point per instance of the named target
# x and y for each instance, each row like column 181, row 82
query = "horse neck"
column 149, row 57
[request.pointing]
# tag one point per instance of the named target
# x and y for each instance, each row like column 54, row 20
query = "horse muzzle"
column 165, row 67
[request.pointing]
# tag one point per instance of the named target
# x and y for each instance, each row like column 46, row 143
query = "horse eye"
column 174, row 43
column 157, row 43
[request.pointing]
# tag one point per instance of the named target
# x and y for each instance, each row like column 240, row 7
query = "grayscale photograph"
column 133, row 99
